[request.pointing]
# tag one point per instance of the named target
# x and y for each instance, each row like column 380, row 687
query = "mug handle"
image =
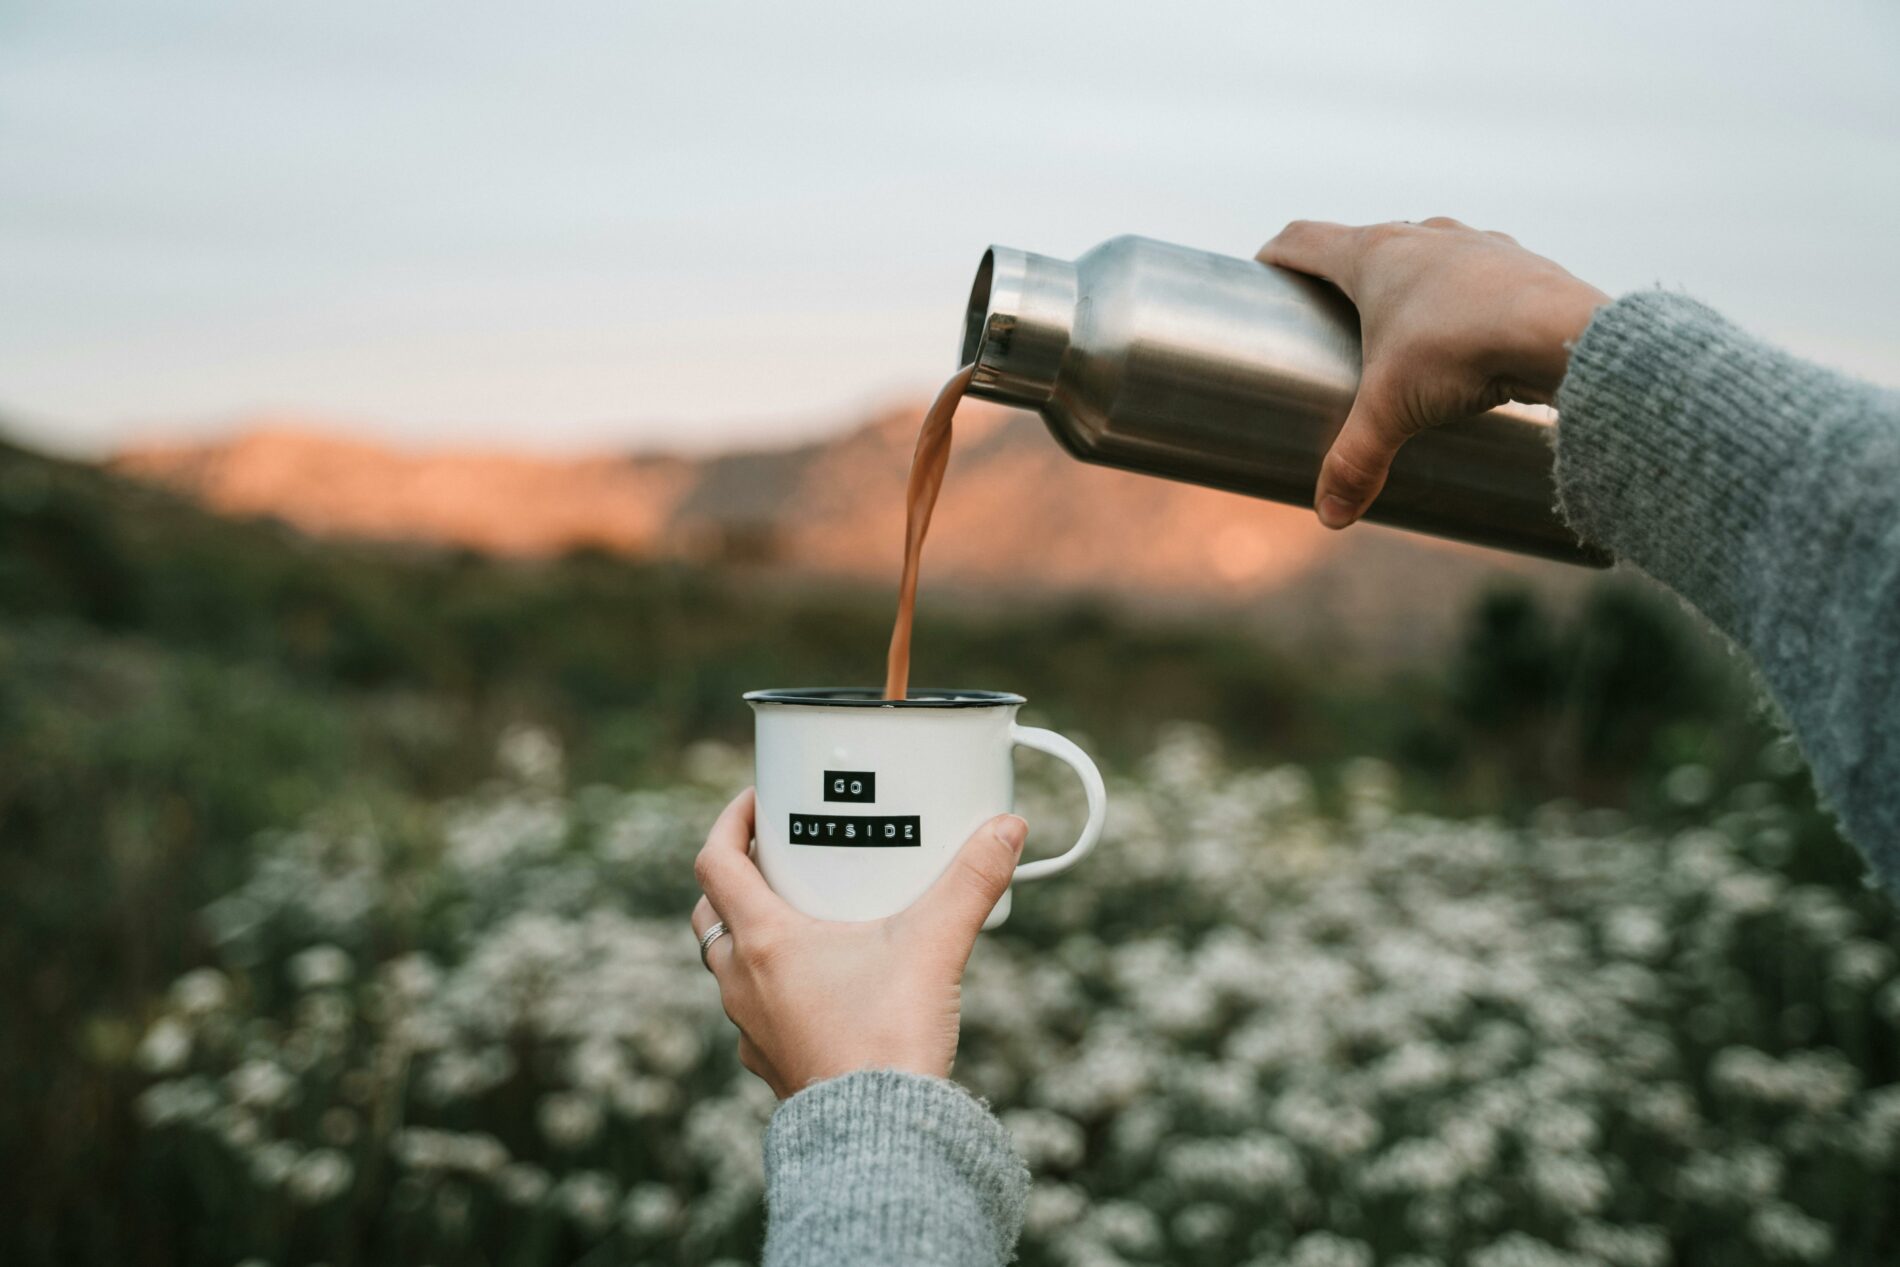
column 1063, row 750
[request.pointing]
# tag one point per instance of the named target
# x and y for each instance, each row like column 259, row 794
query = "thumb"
column 1313, row 246
column 961, row 898
column 1361, row 456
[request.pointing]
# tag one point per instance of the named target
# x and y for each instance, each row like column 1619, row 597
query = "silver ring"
column 713, row 934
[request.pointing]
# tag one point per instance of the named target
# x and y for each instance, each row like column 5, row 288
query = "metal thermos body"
column 1237, row 375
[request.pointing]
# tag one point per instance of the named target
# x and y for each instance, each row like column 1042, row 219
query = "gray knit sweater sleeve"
column 882, row 1168
column 1766, row 491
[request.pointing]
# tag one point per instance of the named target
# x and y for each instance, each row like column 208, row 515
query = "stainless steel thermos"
column 1237, row 375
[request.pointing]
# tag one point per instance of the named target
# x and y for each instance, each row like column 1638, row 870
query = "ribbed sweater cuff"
column 1672, row 447
column 888, row 1167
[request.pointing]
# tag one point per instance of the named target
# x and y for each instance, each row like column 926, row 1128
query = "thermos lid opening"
column 1016, row 325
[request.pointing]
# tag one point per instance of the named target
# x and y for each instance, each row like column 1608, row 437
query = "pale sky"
column 566, row 226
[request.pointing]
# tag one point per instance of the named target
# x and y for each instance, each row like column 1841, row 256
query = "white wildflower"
column 472, row 1152
column 1052, row 1206
column 522, row 1183
column 1046, row 1140
column 1638, row 1245
column 588, row 1197
column 1420, row 1165
column 1635, row 932
column 201, row 991
column 320, row 967
column 1244, row 1166
column 570, row 1120
column 1689, row 785
column 1336, row 1128
column 1515, row 1249
column 646, row 1097
column 319, row 1176
column 181, row 1101
column 1203, row 1224
column 1325, row 1249
column 530, row 754
column 1862, row 963
column 260, row 1084
column 166, row 1046
column 273, row 1162
column 650, row 1210
column 1561, row 1128
column 1568, row 1183
column 1785, row 1232
column 412, row 977
column 1128, row 1227
column 1812, row 1081
column 671, row 1050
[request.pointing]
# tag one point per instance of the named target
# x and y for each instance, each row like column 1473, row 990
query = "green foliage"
column 1625, row 687
column 173, row 684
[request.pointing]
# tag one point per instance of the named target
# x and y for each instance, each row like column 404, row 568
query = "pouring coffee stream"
column 920, row 499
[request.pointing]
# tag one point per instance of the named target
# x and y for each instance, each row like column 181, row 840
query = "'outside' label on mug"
column 867, row 832
column 850, row 785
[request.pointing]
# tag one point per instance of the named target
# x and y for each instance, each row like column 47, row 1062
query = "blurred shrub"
column 173, row 685
column 1246, row 1031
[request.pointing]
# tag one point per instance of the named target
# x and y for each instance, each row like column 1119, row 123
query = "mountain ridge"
column 1017, row 515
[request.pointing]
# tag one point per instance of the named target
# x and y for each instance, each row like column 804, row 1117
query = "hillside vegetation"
column 177, row 690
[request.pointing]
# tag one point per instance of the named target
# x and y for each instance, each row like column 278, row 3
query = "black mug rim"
column 870, row 697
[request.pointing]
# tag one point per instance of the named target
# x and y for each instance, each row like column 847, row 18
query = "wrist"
column 1550, row 318
column 1567, row 315
column 869, row 1062
column 820, row 1057
column 1575, row 307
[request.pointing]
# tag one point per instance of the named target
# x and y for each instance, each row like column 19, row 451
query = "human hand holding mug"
column 1454, row 321
column 883, row 845
column 814, row 999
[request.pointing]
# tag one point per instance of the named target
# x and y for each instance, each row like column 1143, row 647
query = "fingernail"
column 1335, row 512
column 1011, row 830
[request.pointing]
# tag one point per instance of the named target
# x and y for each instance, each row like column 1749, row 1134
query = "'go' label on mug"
column 851, row 785
column 867, row 832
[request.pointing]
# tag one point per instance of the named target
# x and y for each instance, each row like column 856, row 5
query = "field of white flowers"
column 1248, row 1030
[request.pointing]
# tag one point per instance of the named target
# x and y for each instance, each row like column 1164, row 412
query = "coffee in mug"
column 863, row 801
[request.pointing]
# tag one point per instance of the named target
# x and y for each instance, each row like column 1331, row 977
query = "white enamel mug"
column 864, row 801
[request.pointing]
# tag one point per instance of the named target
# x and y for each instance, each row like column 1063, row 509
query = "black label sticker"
column 850, row 785
column 868, row 832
